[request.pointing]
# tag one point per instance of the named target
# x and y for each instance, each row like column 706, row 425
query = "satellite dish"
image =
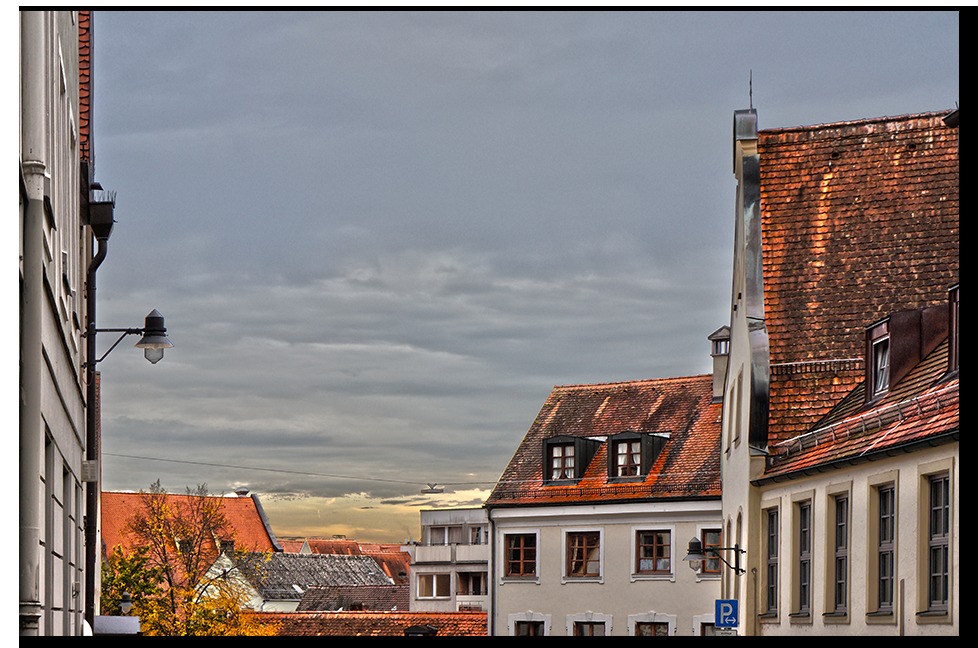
column 432, row 488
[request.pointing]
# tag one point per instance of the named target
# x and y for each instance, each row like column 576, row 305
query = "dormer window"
column 632, row 454
column 567, row 457
column 878, row 342
column 628, row 458
column 562, row 461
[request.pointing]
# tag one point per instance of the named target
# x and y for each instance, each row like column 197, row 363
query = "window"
column 562, row 461
column 654, row 552
column 771, row 563
column 643, row 629
column 434, row 585
column 589, row 628
column 225, row 545
column 628, row 458
column 476, row 535
column 937, row 544
column 804, row 557
column 521, row 555
column 584, row 554
column 183, row 546
column 840, row 570
column 529, row 628
column 566, row 457
column 471, row 583
column 878, row 343
column 886, row 534
column 711, row 540
column 444, row 535
column 632, row 454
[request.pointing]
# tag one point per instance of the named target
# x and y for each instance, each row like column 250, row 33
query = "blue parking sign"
column 726, row 613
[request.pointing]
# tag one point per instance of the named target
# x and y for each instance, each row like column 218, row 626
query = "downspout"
column 33, row 168
column 491, row 617
column 93, row 451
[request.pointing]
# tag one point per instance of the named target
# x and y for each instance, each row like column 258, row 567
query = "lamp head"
column 694, row 554
column 154, row 338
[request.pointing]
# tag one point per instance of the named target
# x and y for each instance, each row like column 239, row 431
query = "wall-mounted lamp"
column 695, row 555
column 153, row 339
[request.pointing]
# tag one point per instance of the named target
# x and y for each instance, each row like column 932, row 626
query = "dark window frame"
column 840, row 560
column 660, row 551
column 650, row 446
column 772, row 562
column 886, row 548
column 583, row 549
column 712, row 564
column 584, row 450
column 804, row 580
column 520, row 560
column 529, row 629
column 938, row 543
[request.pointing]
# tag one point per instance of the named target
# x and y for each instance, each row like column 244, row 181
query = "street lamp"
column 126, row 604
column 153, row 342
column 695, row 555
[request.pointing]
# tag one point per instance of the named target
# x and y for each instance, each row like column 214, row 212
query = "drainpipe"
column 491, row 617
column 33, row 168
column 93, row 451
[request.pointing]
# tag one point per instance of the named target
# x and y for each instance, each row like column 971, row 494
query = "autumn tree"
column 176, row 541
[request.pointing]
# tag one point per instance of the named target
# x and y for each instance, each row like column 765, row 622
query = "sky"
column 380, row 238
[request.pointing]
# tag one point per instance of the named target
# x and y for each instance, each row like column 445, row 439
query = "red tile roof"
column 244, row 515
column 859, row 220
column 374, row 624
column 687, row 467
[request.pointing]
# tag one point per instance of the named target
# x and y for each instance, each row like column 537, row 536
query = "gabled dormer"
column 631, row 455
column 566, row 458
column 895, row 344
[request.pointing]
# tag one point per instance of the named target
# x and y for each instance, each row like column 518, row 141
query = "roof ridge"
column 639, row 381
column 865, row 120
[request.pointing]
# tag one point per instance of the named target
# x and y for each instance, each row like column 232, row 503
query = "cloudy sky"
column 379, row 239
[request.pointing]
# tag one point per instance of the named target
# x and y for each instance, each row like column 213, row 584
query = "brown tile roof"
column 859, row 219
column 374, row 624
column 687, row 467
column 921, row 408
column 389, row 556
column 85, row 84
column 244, row 515
column 356, row 597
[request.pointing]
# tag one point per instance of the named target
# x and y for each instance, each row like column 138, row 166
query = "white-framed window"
column 651, row 624
column 434, row 586
column 589, row 624
column 878, row 359
column 528, row 624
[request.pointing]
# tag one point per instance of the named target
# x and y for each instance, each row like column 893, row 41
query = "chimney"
column 720, row 350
